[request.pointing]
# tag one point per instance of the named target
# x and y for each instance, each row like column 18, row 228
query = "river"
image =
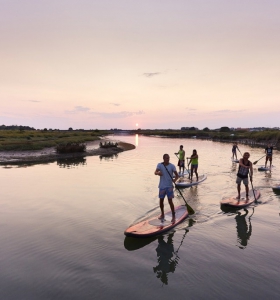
column 62, row 229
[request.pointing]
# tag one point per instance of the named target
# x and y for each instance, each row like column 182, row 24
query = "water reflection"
column 136, row 140
column 108, row 156
column 167, row 258
column 244, row 229
column 71, row 162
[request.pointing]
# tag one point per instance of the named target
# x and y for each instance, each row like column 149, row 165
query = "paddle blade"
column 190, row 210
column 255, row 162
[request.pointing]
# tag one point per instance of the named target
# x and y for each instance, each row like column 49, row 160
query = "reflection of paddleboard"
column 235, row 160
column 154, row 226
column 263, row 168
column 233, row 202
column 186, row 182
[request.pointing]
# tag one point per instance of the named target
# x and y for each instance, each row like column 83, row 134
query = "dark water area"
column 62, row 229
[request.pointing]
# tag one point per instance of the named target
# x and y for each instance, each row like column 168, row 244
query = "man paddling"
column 245, row 167
column 181, row 162
column 166, row 170
column 268, row 150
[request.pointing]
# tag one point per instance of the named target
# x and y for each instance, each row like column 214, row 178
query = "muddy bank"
column 48, row 155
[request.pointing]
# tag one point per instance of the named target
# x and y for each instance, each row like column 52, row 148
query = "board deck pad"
column 233, row 202
column 154, row 226
column 185, row 181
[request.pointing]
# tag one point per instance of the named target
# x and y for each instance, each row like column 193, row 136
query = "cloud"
column 117, row 115
column 151, row 74
column 190, row 109
column 222, row 111
column 35, row 101
column 115, row 104
column 78, row 109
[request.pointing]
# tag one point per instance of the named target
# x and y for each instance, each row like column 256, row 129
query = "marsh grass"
column 22, row 140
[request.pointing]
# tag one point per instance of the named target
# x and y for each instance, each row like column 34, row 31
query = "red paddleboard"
column 233, row 202
column 154, row 226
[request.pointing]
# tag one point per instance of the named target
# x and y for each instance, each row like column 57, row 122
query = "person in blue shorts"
column 166, row 171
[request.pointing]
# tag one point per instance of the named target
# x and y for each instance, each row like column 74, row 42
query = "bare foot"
column 173, row 218
column 161, row 217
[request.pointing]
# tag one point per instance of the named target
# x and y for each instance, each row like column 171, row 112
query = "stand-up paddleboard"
column 276, row 188
column 233, row 202
column 185, row 173
column 186, row 182
column 154, row 226
column 263, row 168
column 234, row 160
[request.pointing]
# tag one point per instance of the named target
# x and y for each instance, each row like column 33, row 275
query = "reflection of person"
column 167, row 258
column 234, row 147
column 181, row 162
column 243, row 231
column 245, row 166
column 194, row 164
column 166, row 170
column 268, row 150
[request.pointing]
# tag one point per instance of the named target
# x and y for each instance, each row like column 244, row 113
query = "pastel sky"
column 159, row 63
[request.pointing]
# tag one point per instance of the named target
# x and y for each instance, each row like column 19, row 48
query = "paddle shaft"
column 258, row 160
column 190, row 210
column 252, row 186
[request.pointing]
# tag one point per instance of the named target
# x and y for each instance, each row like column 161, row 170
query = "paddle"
column 253, row 187
column 240, row 152
column 258, row 160
column 189, row 209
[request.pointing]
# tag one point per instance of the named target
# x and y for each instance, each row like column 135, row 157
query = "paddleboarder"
column 245, row 167
column 268, row 151
column 181, row 161
column 166, row 170
column 234, row 147
column 194, row 164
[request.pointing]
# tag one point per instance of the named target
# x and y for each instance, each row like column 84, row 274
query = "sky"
column 149, row 64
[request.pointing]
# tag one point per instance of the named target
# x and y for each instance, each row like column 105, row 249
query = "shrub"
column 70, row 148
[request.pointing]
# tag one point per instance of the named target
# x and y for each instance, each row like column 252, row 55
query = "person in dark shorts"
column 268, row 150
column 181, row 161
column 245, row 169
column 234, row 147
column 194, row 164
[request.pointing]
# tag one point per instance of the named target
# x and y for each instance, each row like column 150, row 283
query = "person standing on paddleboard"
column 268, row 150
column 194, row 164
column 166, row 170
column 181, row 162
column 245, row 166
column 234, row 147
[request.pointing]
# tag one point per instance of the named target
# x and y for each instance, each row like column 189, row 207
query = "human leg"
column 161, row 205
column 171, row 204
column 247, row 192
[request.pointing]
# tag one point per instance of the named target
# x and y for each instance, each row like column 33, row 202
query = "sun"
column 136, row 124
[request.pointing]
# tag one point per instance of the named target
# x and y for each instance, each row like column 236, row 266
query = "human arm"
column 158, row 172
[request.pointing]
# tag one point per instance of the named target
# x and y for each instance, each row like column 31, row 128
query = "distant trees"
column 224, row 129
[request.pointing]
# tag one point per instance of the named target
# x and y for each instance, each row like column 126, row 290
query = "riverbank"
column 49, row 154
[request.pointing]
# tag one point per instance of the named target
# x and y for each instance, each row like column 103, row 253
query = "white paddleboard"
column 235, row 160
column 186, row 182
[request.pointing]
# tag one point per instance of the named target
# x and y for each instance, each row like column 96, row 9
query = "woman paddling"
column 194, row 164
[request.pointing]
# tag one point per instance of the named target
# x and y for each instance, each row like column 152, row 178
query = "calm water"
column 62, row 224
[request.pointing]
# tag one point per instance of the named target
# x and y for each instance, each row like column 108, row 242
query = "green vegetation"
column 71, row 148
column 21, row 140
column 254, row 138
